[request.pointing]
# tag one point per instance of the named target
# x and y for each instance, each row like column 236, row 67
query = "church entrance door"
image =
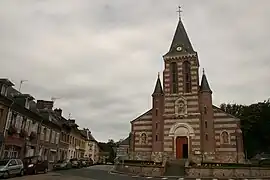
column 181, row 147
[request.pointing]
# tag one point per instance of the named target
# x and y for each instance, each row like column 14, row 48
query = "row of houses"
column 29, row 127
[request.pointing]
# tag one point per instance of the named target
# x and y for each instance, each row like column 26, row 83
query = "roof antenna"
column 203, row 71
column 158, row 74
column 21, row 82
column 55, row 98
column 179, row 11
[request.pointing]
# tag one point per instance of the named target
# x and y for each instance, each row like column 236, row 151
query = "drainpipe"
column 39, row 132
column 237, row 153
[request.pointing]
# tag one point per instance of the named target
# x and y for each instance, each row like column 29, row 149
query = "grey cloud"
column 102, row 57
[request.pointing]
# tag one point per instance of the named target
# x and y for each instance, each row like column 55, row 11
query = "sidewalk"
column 188, row 178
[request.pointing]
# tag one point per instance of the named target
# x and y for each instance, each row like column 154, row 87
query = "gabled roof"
column 6, row 82
column 125, row 141
column 217, row 109
column 149, row 112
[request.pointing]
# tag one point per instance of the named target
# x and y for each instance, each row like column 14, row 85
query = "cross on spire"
column 179, row 11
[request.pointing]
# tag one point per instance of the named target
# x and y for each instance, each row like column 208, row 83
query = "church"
column 183, row 123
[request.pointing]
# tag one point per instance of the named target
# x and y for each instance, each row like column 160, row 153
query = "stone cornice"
column 179, row 56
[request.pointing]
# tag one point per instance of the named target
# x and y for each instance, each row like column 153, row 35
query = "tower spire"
column 158, row 88
column 180, row 43
column 204, row 84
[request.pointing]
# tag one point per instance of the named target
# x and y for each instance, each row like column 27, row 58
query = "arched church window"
column 174, row 77
column 225, row 137
column 187, row 77
column 143, row 138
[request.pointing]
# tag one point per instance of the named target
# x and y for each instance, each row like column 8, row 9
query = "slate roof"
column 6, row 81
column 125, row 141
column 204, row 84
column 158, row 88
column 180, row 39
column 149, row 112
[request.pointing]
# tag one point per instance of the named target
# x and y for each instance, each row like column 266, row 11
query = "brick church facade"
column 183, row 123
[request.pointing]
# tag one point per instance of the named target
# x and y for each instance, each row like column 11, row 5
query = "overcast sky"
column 102, row 57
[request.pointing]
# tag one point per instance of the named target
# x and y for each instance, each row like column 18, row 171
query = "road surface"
column 98, row 172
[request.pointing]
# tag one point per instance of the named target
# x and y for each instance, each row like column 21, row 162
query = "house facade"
column 183, row 123
column 123, row 148
column 91, row 146
column 29, row 127
column 19, row 124
column 77, row 142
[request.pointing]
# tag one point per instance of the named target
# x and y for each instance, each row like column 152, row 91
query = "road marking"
column 181, row 179
column 198, row 179
column 164, row 178
column 149, row 177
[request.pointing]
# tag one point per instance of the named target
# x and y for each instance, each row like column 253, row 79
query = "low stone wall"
column 140, row 170
column 151, row 156
column 227, row 172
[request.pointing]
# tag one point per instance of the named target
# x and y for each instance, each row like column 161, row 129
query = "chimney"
column 58, row 111
column 72, row 121
column 41, row 104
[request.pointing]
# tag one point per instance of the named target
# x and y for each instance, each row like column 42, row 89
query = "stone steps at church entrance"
column 175, row 167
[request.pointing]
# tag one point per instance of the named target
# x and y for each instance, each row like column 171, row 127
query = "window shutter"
column 8, row 119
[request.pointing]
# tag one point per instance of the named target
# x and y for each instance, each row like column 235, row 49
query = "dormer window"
column 27, row 103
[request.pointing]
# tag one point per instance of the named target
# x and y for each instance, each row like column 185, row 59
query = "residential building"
column 50, row 131
column 21, row 123
column 123, row 148
column 76, row 141
column 91, row 146
column 64, row 136
column 183, row 122
column 104, row 152
column 30, row 128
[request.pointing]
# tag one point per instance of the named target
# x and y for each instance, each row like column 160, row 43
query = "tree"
column 255, row 125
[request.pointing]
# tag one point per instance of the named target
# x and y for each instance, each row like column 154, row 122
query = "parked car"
column 75, row 163
column 89, row 162
column 62, row 164
column 83, row 163
column 35, row 164
column 11, row 167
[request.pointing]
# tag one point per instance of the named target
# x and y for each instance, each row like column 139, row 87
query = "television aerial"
column 55, row 98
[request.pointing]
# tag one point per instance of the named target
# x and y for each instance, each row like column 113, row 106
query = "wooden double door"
column 181, row 147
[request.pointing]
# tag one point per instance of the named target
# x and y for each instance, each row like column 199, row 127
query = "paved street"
column 94, row 173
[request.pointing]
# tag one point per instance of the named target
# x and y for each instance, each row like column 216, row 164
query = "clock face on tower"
column 179, row 48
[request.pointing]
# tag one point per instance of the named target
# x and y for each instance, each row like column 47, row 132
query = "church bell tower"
column 182, row 123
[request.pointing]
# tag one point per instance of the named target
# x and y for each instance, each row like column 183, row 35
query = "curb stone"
column 130, row 174
column 183, row 178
